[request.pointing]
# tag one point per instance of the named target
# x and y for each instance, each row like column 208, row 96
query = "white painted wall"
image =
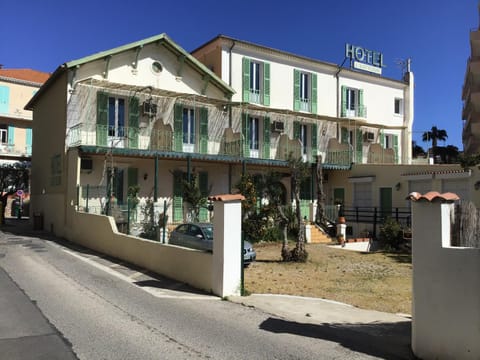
column 446, row 288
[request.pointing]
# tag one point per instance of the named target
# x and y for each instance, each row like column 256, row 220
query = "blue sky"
column 434, row 33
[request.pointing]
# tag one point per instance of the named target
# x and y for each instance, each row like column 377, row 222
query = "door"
column 385, row 202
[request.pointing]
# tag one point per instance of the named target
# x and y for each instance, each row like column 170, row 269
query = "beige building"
column 17, row 86
column 471, row 97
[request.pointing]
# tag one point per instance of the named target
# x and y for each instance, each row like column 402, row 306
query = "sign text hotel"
column 364, row 59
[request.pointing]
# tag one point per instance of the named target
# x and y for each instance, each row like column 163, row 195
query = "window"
column 4, row 99
column 256, row 136
column 305, row 91
column 307, row 135
column 188, row 130
column 398, row 106
column 55, row 170
column 362, row 194
column 253, row 134
column 116, row 117
column 115, row 127
column 3, row 134
column 256, row 81
column 352, row 103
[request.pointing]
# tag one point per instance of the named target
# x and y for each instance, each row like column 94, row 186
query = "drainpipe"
column 340, row 67
column 230, row 81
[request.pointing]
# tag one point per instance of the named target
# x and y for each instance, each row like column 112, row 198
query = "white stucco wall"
column 446, row 288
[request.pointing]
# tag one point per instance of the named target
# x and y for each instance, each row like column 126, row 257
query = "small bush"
column 391, row 234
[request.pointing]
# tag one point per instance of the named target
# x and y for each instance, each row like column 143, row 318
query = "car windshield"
column 208, row 231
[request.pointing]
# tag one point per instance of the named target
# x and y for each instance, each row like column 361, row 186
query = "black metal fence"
column 377, row 216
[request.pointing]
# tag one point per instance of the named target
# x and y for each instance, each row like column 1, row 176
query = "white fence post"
column 227, row 245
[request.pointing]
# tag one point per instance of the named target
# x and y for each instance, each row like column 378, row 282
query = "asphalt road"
column 109, row 310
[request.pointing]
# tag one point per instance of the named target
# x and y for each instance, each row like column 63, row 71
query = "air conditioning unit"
column 86, row 164
column 277, row 126
column 369, row 136
column 149, row 108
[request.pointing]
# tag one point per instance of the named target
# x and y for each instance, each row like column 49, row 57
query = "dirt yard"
column 378, row 281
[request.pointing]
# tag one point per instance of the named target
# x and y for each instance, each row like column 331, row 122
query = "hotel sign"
column 364, row 59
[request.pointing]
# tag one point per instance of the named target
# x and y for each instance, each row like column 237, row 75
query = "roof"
column 28, row 75
column 160, row 39
column 433, row 196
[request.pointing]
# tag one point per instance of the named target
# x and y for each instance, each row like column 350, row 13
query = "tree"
column 299, row 171
column 434, row 134
column 194, row 196
column 320, row 213
column 417, row 150
column 13, row 177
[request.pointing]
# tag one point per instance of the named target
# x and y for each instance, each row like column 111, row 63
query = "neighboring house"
column 471, row 97
column 17, row 86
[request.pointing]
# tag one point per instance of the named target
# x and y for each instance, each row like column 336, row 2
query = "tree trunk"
column 299, row 253
column 284, row 222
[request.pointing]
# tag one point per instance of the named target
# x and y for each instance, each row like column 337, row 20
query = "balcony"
column 355, row 112
column 230, row 146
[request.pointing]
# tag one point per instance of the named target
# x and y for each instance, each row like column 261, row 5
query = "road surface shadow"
column 384, row 340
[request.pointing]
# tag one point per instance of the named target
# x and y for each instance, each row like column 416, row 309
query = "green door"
column 385, row 202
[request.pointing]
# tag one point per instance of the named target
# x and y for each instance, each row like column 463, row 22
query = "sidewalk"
column 371, row 332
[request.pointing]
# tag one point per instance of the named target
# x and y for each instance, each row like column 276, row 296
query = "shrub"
column 391, row 234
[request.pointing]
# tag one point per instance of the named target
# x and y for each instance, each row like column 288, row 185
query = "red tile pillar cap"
column 226, row 197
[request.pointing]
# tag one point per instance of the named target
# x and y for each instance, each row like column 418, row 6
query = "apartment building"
column 17, row 86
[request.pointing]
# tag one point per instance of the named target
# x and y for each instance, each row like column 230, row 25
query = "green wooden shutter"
column 133, row 115
column 361, row 107
column 203, row 130
column 29, row 141
column 266, row 138
column 314, row 141
column 245, row 137
column 296, row 130
column 314, row 93
column 4, row 99
column 177, row 197
column 266, row 84
column 11, row 135
column 102, row 118
column 203, row 186
column 359, row 146
column 395, row 148
column 296, row 90
column 178, row 127
column 132, row 177
column 344, row 133
column 343, row 112
column 246, row 79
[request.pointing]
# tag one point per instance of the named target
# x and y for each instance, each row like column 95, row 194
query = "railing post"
column 164, row 220
column 374, row 222
column 78, row 197
column 86, row 202
column 128, row 215
column 155, row 185
column 356, row 214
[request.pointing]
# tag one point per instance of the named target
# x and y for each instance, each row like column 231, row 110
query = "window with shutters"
column 352, row 103
column 307, row 136
column 256, row 135
column 190, row 129
column 305, row 91
column 256, row 81
column 117, row 121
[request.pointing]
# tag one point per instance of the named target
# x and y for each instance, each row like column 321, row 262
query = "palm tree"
column 434, row 135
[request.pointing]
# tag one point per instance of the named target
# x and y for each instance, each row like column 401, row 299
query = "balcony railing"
column 230, row 144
